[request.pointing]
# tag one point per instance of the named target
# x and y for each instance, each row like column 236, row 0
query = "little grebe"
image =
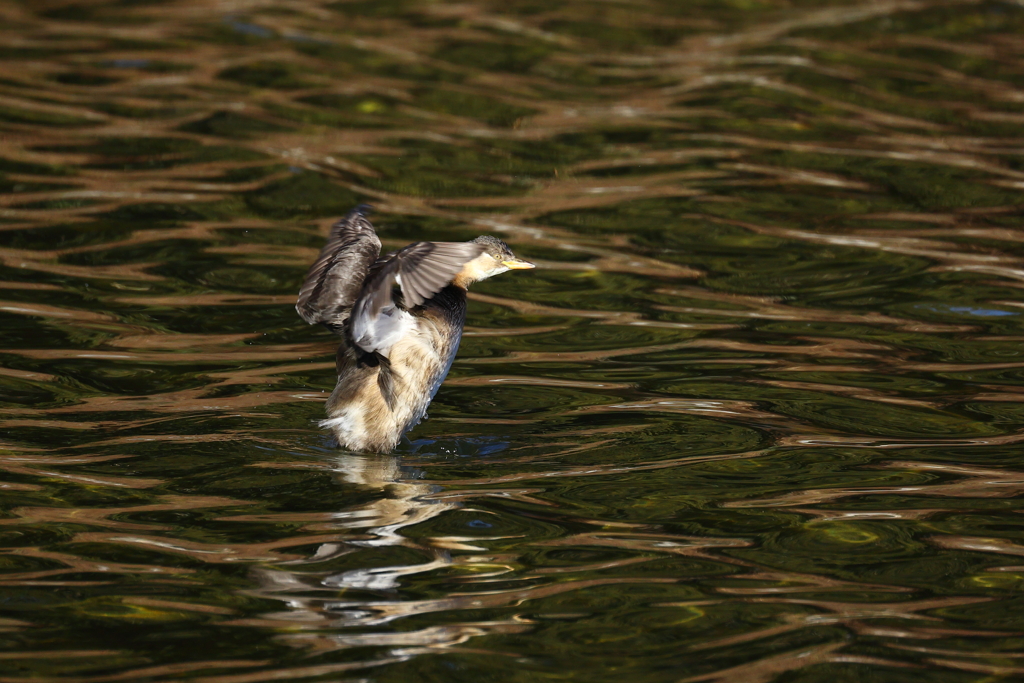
column 400, row 319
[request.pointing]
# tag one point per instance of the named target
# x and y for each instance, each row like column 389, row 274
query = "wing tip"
column 352, row 218
column 307, row 315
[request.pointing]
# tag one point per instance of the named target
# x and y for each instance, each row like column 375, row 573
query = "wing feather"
column 422, row 270
column 336, row 278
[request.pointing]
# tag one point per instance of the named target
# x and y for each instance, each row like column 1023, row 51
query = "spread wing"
column 335, row 280
column 422, row 270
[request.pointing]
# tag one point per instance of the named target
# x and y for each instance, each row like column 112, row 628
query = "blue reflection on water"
column 127, row 63
column 967, row 310
column 477, row 446
column 249, row 29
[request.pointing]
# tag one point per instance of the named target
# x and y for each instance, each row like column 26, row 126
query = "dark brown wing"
column 335, row 280
column 422, row 270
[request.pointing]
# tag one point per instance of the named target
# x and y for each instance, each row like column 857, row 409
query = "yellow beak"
column 518, row 264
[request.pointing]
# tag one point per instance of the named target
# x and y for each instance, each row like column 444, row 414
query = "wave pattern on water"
column 756, row 416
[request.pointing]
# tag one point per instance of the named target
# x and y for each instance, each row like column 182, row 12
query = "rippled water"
column 758, row 416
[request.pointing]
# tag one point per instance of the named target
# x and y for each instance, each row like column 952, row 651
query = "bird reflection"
column 314, row 606
column 403, row 506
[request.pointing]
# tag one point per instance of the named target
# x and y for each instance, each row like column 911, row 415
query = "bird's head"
column 496, row 258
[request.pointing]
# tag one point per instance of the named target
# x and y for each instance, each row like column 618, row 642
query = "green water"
column 758, row 415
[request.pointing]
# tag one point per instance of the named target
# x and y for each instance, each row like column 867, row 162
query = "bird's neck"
column 480, row 268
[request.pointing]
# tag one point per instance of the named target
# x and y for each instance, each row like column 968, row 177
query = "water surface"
column 757, row 416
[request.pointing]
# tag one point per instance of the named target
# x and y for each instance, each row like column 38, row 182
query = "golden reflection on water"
column 755, row 415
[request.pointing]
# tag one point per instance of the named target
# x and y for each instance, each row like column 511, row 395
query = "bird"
column 400, row 318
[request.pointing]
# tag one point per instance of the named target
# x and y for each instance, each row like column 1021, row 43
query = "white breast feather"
column 382, row 332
